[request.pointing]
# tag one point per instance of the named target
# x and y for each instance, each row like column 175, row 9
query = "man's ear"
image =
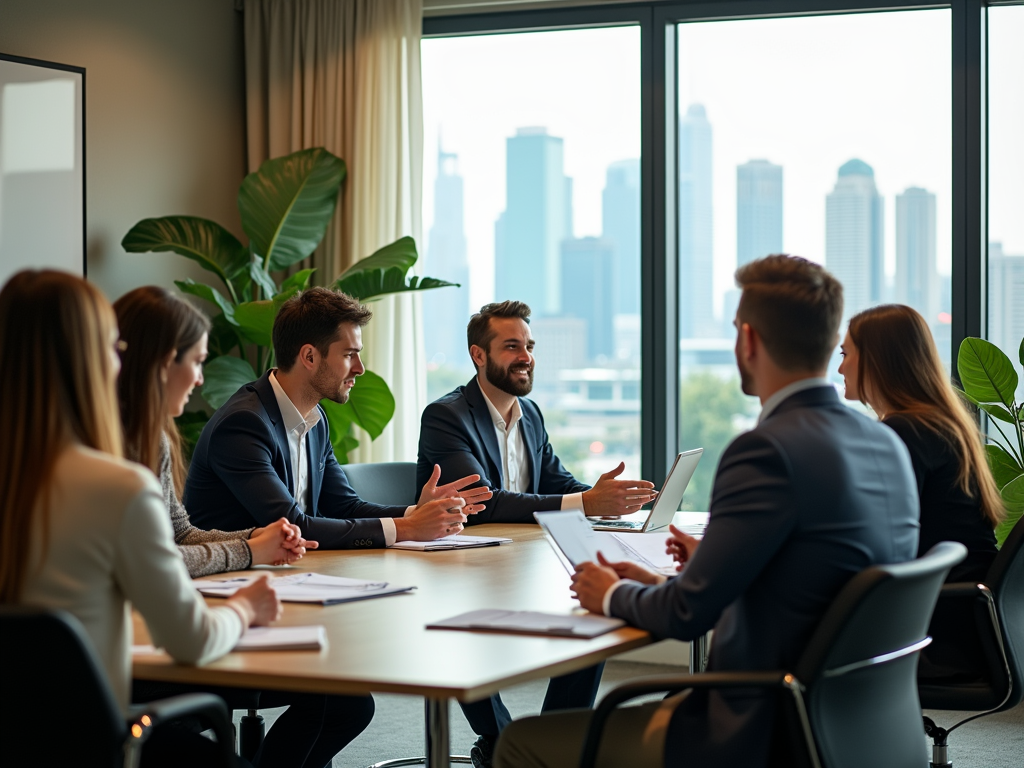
column 478, row 356
column 308, row 355
column 751, row 341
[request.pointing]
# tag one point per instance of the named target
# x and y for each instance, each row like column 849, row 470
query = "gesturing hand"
column 630, row 570
column 589, row 584
column 279, row 543
column 474, row 497
column 617, row 497
column 681, row 546
column 432, row 520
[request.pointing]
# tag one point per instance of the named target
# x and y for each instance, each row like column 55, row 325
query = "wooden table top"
column 382, row 645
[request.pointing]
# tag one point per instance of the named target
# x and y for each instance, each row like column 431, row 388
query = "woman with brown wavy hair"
column 891, row 364
column 81, row 529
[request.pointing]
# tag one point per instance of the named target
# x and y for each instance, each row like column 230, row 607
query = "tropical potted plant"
column 285, row 208
column 989, row 381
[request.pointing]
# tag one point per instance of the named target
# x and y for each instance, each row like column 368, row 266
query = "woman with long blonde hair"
column 81, row 529
column 891, row 363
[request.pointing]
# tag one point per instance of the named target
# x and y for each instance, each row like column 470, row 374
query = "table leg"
column 437, row 733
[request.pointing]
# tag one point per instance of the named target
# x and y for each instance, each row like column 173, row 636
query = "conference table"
column 382, row 645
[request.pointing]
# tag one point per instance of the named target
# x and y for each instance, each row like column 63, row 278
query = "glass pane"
column 1006, row 165
column 826, row 137
column 532, row 192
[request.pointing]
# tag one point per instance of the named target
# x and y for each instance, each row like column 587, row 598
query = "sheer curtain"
column 345, row 75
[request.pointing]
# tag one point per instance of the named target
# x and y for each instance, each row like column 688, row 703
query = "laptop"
column 665, row 506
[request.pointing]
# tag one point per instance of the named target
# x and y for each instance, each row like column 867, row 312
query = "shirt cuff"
column 573, row 501
column 606, row 601
column 390, row 531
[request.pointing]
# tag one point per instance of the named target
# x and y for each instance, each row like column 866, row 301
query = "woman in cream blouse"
column 81, row 529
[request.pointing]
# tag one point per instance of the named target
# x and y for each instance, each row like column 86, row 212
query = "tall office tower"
column 537, row 217
column 758, row 211
column 620, row 226
column 1005, row 308
column 854, row 228
column 696, row 307
column 917, row 280
column 446, row 310
column 588, row 287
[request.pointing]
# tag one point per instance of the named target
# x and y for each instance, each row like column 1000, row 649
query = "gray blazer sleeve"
column 752, row 516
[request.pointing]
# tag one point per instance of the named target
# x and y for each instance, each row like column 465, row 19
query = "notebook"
column 583, row 625
column 451, row 542
column 306, row 588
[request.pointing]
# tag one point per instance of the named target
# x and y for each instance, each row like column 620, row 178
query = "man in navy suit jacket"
column 489, row 428
column 266, row 453
column 803, row 502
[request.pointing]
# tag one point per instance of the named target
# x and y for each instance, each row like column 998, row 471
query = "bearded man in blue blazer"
column 489, row 428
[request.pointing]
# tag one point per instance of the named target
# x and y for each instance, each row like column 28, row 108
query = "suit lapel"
column 314, row 450
column 526, row 430
column 265, row 392
column 484, row 425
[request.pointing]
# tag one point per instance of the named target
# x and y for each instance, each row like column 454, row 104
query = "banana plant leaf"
column 210, row 294
column 201, row 240
column 370, row 406
column 1013, row 498
column 297, row 282
column 1004, row 467
column 402, row 254
column 986, row 374
column 287, row 204
column 224, row 376
column 370, row 286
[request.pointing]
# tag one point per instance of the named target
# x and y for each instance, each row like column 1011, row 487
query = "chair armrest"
column 211, row 709
column 959, row 589
column 669, row 684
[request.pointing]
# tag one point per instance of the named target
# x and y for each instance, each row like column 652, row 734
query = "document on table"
column 310, row 638
column 531, row 623
column 452, row 542
column 647, row 549
column 306, row 588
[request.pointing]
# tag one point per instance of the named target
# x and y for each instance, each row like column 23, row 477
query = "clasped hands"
column 591, row 581
column 279, row 543
column 442, row 509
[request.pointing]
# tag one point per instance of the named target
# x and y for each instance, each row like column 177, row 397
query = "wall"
column 165, row 116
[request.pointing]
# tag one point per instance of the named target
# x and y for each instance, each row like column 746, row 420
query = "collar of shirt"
column 499, row 422
column 293, row 420
column 789, row 390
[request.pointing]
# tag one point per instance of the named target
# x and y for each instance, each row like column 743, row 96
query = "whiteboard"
column 42, row 166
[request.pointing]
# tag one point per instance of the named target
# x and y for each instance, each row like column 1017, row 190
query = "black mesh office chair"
column 853, row 693
column 996, row 609
column 390, row 482
column 56, row 707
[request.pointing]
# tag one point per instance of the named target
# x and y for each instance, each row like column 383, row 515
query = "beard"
column 502, row 378
column 327, row 385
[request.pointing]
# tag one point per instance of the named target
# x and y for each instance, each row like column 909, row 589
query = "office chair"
column 57, row 705
column 853, row 693
column 390, row 482
column 996, row 609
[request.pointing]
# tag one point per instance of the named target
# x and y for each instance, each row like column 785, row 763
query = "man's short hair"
column 479, row 331
column 313, row 316
column 795, row 306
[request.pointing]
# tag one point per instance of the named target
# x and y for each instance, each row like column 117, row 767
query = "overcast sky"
column 806, row 93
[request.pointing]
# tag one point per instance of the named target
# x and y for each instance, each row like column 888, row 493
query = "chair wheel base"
column 938, row 734
column 457, row 759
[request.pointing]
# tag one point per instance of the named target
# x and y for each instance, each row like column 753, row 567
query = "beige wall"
column 165, row 116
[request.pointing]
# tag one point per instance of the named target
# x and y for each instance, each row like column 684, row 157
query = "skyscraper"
column 588, row 287
column 620, row 226
column 695, row 226
column 537, row 217
column 854, row 227
column 917, row 280
column 446, row 310
column 1005, row 308
column 758, row 211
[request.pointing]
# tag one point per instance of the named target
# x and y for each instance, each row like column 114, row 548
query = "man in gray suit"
column 810, row 497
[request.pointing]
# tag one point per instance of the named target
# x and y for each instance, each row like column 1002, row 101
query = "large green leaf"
column 1013, row 498
column 997, row 411
column 402, row 254
column 299, row 281
column 371, row 285
column 370, row 405
column 208, row 293
column 224, row 376
column 1020, row 352
column 986, row 374
column 262, row 278
column 255, row 319
column 223, row 337
column 287, row 204
column 201, row 240
column 1004, row 467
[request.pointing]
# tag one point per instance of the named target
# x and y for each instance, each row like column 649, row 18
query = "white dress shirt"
column 767, row 409
column 515, row 465
column 297, row 427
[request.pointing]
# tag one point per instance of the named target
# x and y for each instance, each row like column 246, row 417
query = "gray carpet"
column 996, row 741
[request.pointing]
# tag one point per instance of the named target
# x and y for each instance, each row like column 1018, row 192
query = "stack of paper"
column 306, row 588
column 311, row 638
column 452, row 542
column 531, row 623
column 647, row 549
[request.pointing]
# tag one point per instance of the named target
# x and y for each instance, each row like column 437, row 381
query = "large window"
column 827, row 137
column 532, row 192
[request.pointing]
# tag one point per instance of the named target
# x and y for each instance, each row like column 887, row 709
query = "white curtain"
column 345, row 75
